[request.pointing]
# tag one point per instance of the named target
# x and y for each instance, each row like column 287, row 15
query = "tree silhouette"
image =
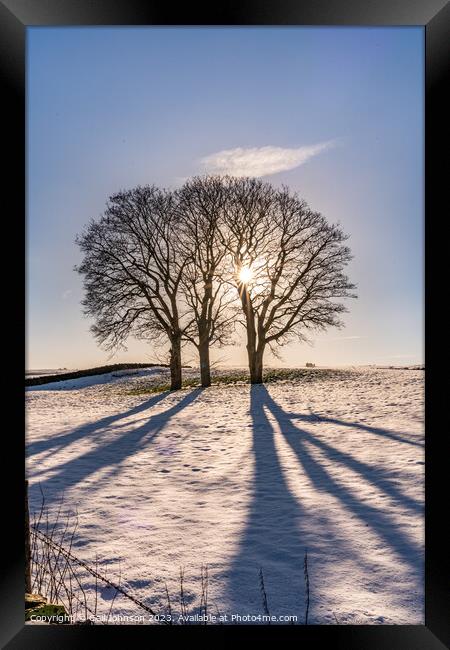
column 210, row 299
column 132, row 268
column 165, row 266
column 288, row 266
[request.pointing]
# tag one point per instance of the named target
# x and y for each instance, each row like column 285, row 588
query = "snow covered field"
column 241, row 478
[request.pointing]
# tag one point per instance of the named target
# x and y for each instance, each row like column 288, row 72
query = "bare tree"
column 132, row 268
column 210, row 300
column 160, row 266
column 288, row 266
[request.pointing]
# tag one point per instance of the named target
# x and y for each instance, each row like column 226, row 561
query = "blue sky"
column 334, row 113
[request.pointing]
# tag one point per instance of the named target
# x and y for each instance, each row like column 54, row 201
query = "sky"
column 337, row 114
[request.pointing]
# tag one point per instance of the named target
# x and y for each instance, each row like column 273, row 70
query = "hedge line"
column 47, row 379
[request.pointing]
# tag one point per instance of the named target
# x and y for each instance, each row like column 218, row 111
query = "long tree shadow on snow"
column 380, row 522
column 277, row 531
column 271, row 539
column 379, row 477
column 99, row 426
column 386, row 433
column 113, row 453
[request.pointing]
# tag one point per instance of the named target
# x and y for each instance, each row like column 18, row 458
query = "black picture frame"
column 15, row 17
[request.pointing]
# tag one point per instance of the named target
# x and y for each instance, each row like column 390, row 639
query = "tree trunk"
column 255, row 358
column 205, row 371
column 255, row 342
column 175, row 363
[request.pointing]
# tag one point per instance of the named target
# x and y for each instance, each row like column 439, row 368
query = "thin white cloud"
column 261, row 161
column 66, row 294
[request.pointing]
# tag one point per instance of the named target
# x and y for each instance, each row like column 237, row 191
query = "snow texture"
column 241, row 478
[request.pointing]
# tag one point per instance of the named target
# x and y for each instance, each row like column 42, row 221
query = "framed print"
column 229, row 291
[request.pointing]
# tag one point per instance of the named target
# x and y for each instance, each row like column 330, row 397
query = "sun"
column 245, row 274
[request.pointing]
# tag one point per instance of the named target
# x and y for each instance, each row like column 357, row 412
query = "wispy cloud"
column 66, row 294
column 261, row 161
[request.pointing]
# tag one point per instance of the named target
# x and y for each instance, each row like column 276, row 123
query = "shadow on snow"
column 274, row 535
column 114, row 452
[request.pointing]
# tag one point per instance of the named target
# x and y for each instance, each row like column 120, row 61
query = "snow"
column 92, row 380
column 241, row 478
